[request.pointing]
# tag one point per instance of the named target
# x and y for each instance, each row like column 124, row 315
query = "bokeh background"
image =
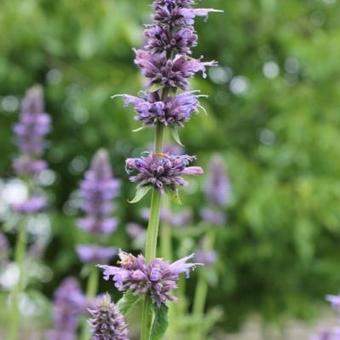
column 273, row 115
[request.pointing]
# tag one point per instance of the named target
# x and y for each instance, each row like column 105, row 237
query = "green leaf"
column 127, row 302
column 155, row 87
column 138, row 129
column 140, row 193
column 175, row 136
column 160, row 323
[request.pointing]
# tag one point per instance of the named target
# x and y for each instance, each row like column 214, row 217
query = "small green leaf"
column 160, row 323
column 127, row 302
column 138, row 129
column 175, row 136
column 155, row 87
column 140, row 193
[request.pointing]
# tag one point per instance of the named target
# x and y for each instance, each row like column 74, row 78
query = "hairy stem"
column 20, row 250
column 151, row 239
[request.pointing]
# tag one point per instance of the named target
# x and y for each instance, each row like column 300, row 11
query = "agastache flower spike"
column 107, row 323
column 157, row 278
column 97, row 191
column 162, row 171
column 34, row 124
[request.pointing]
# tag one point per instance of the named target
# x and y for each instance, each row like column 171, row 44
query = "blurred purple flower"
column 32, row 205
column 69, row 304
column 97, row 191
column 213, row 217
column 95, row 254
column 107, row 323
column 157, row 278
column 173, row 111
column 334, row 300
column 33, row 125
column 176, row 219
column 217, row 188
column 207, row 257
column 162, row 171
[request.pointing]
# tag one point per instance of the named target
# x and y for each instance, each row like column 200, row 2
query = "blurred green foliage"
column 273, row 113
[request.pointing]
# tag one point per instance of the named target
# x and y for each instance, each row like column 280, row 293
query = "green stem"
column 166, row 235
column 20, row 250
column 91, row 292
column 202, row 288
column 151, row 239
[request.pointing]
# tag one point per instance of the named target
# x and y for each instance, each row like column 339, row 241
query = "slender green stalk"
column 202, row 288
column 91, row 292
column 166, row 236
column 151, row 239
column 20, row 251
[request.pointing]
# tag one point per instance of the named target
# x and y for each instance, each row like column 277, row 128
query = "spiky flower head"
column 172, row 111
column 97, row 191
column 217, row 187
column 33, row 125
column 107, row 323
column 161, row 171
column 95, row 254
column 157, row 278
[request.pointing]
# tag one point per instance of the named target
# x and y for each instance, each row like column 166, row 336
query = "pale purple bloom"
column 334, row 300
column 173, row 73
column 213, row 217
column 61, row 334
column 69, row 304
column 95, row 254
column 328, row 334
column 217, row 188
column 207, row 257
column 32, row 205
column 97, row 191
column 173, row 111
column 4, row 249
column 107, row 323
column 162, row 171
column 33, row 125
column 157, row 278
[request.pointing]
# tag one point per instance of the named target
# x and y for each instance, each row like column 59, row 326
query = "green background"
column 273, row 114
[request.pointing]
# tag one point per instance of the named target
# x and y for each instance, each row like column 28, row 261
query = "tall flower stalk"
column 166, row 103
column 98, row 189
column 217, row 192
column 30, row 131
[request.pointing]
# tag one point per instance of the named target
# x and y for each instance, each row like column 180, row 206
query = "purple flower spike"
column 107, row 322
column 217, row 187
column 95, row 254
column 32, row 205
column 69, row 304
column 174, row 111
column 162, row 171
column 97, row 191
column 157, row 278
column 34, row 124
